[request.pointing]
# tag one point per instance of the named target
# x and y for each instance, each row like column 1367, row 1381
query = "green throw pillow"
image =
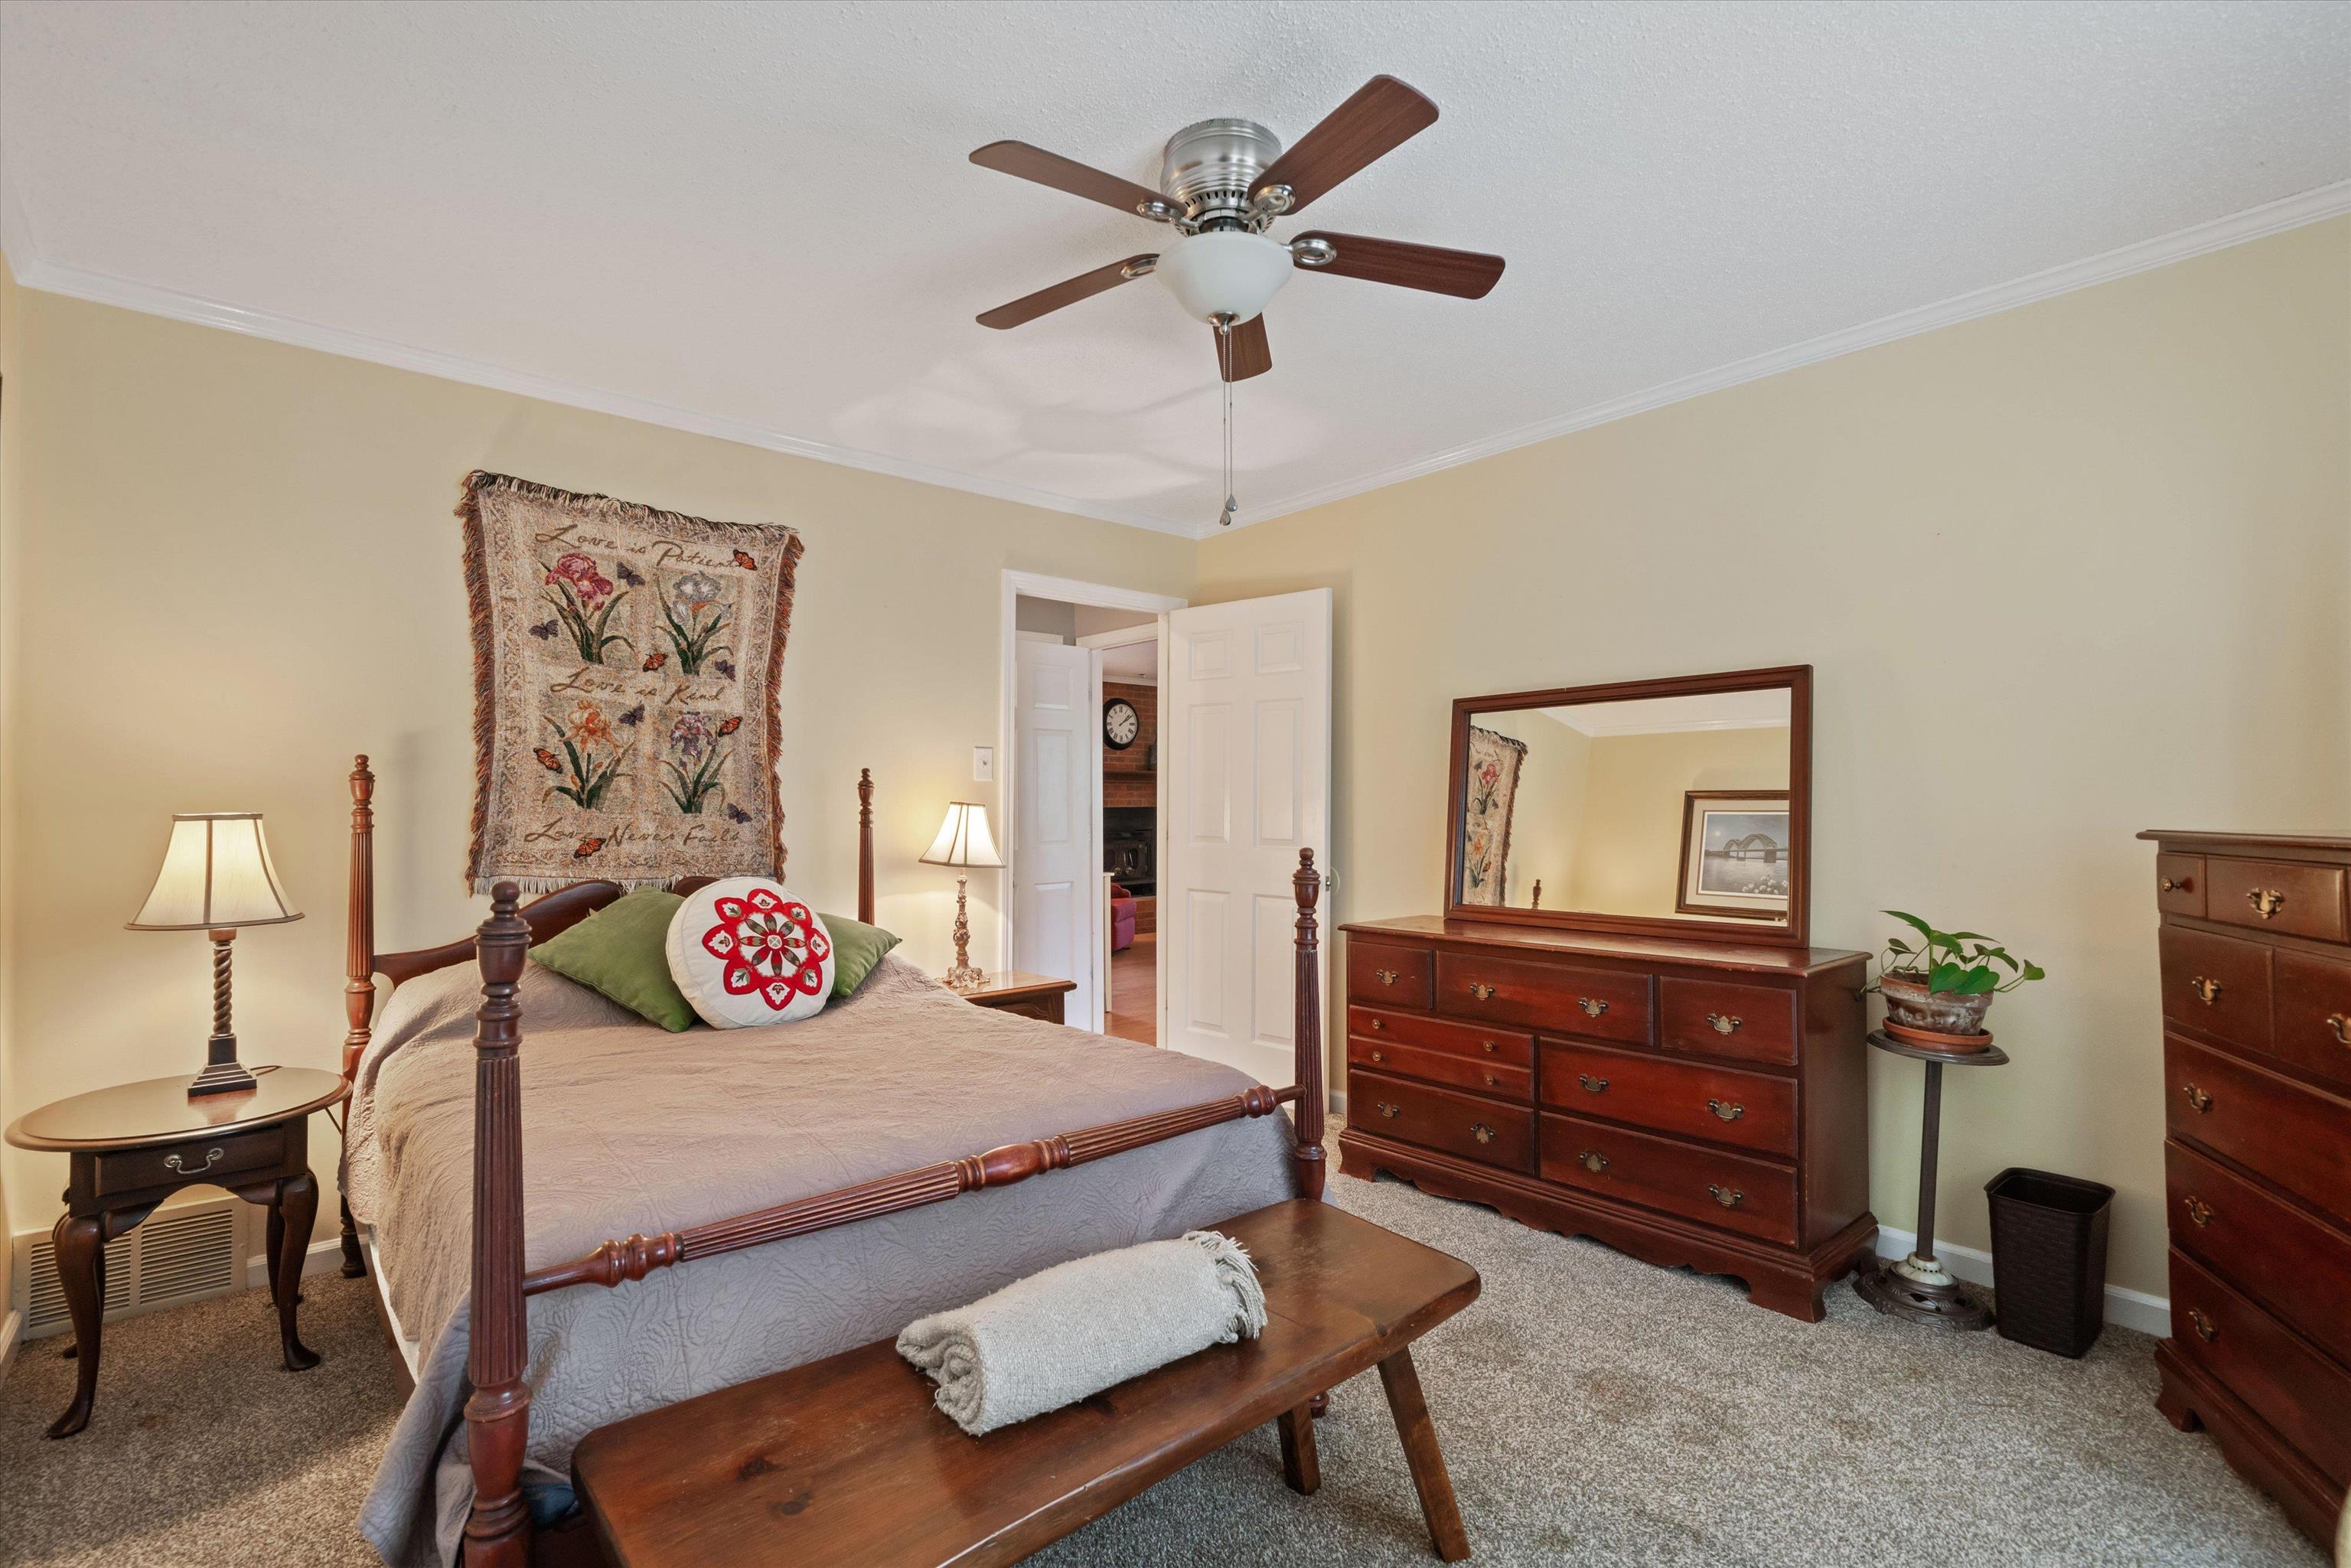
column 856, row 948
column 622, row 950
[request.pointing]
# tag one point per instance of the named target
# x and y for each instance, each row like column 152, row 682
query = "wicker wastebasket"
column 2049, row 1257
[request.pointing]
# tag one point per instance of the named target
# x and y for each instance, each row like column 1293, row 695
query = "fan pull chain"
column 1225, row 365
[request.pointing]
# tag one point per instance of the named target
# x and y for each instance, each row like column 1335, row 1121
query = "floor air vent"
column 180, row 1254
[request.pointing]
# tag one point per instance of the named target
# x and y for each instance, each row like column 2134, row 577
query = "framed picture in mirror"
column 1676, row 806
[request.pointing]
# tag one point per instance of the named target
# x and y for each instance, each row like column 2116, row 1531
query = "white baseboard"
column 11, row 1331
column 2126, row 1308
column 321, row 1257
column 1339, row 1103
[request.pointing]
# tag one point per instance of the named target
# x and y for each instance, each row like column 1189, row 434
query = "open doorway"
column 1081, row 831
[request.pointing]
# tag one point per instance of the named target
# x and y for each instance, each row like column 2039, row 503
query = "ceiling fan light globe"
column 1224, row 272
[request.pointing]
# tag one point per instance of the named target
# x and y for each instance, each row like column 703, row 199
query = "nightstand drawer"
column 1047, row 1009
column 199, row 1159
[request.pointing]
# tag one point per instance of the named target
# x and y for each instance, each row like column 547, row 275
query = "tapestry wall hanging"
column 626, row 661
column 1488, row 795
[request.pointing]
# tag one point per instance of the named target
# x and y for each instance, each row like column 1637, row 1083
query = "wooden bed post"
column 358, row 965
column 498, row 1416
column 865, row 845
column 1306, row 1029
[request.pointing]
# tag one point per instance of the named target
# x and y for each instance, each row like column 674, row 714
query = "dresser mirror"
column 1680, row 805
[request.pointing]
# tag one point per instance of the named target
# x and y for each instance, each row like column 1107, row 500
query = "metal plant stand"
column 1919, row 1286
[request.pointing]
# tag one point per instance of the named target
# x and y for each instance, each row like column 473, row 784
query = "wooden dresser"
column 1687, row 1101
column 2255, row 954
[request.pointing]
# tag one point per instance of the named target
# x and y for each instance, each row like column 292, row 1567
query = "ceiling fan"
column 1223, row 183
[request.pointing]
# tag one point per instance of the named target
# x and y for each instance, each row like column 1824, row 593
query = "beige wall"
column 1547, row 812
column 11, row 469
column 237, row 565
column 1634, row 787
column 2064, row 573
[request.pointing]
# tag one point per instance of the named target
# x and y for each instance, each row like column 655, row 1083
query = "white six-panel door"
column 1245, row 783
column 1056, row 870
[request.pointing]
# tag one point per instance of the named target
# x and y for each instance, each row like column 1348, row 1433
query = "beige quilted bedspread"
column 629, row 1128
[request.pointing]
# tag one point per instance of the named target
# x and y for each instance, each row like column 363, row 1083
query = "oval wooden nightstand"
column 135, row 1144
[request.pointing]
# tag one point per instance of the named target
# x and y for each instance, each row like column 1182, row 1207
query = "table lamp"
column 216, row 876
column 964, row 840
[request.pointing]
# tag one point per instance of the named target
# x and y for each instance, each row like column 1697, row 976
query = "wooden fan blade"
column 1465, row 274
column 1084, row 286
column 1251, row 354
column 1026, row 162
column 1384, row 115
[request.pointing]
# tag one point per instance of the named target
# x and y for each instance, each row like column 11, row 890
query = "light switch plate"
column 983, row 765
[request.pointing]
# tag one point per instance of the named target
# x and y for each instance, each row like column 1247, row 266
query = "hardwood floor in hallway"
column 1133, row 1009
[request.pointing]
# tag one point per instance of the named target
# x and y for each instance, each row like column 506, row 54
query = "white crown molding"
column 2253, row 223
column 103, row 288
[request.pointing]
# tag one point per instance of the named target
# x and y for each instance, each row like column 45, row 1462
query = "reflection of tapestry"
column 1487, row 795
column 625, row 667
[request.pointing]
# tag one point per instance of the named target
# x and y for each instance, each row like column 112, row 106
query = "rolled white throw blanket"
column 1079, row 1327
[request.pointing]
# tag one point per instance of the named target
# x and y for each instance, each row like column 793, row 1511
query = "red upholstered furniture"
column 1122, row 919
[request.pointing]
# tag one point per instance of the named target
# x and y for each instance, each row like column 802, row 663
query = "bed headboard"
column 545, row 915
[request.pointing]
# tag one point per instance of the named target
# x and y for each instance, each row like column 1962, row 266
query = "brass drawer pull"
column 1726, row 1109
column 2341, row 1024
column 1482, row 1132
column 1592, row 1162
column 2182, row 884
column 1591, row 1085
column 1378, row 1056
column 1379, row 1026
column 1728, row 1199
column 2198, row 1100
column 2199, row 1210
column 1492, row 1081
column 1386, row 977
column 1592, row 1007
column 1489, row 1045
column 1389, row 1111
column 2204, row 1329
column 171, row 1162
column 1481, row 991
column 1723, row 1023
column 2266, row 901
column 2206, row 990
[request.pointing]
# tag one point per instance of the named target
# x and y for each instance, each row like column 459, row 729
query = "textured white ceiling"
column 758, row 219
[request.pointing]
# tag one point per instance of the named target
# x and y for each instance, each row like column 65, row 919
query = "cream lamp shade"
column 216, row 876
column 964, row 839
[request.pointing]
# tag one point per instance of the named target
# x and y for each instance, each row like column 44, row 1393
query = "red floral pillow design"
column 744, row 951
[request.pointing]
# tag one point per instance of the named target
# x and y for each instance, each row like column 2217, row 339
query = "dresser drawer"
column 208, row 1159
column 2216, row 985
column 1460, row 1124
column 2303, row 1395
column 1605, row 1004
column 1474, row 1040
column 2290, row 1263
column 2180, row 884
column 2295, row 897
column 1729, row 1190
column 2298, row 1137
column 1477, row 1075
column 2314, row 1014
column 1754, row 1023
column 1388, row 976
column 1721, row 1105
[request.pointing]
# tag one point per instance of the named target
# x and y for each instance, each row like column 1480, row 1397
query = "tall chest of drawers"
column 1684, row 1101
column 2254, row 951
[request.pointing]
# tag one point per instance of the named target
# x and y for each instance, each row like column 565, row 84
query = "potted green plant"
column 1939, row 989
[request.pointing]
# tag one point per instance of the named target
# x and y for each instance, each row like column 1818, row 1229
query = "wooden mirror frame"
column 1795, row 933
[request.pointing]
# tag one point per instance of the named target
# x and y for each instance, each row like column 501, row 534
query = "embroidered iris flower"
column 696, row 593
column 583, row 603
column 690, row 735
column 587, row 723
column 692, row 637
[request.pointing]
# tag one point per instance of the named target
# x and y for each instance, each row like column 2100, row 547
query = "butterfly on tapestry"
column 626, row 661
column 1490, row 794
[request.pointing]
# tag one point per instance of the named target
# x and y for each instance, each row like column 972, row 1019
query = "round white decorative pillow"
column 744, row 951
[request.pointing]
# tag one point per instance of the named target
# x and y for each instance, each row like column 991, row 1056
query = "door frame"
column 1154, row 632
column 1016, row 585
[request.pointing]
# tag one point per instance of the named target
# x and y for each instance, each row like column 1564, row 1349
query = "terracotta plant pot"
column 1911, row 1005
column 1927, row 1039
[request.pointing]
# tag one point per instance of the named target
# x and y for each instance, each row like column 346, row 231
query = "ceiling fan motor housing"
column 1209, row 169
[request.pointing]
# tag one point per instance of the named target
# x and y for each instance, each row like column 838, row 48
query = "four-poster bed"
column 503, row 1364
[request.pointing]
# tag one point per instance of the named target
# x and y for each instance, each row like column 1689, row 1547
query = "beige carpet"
column 1594, row 1410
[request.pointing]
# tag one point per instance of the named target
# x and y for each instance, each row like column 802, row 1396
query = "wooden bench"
column 846, row 1461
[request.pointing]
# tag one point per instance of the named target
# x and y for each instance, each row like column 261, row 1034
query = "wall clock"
column 1121, row 724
